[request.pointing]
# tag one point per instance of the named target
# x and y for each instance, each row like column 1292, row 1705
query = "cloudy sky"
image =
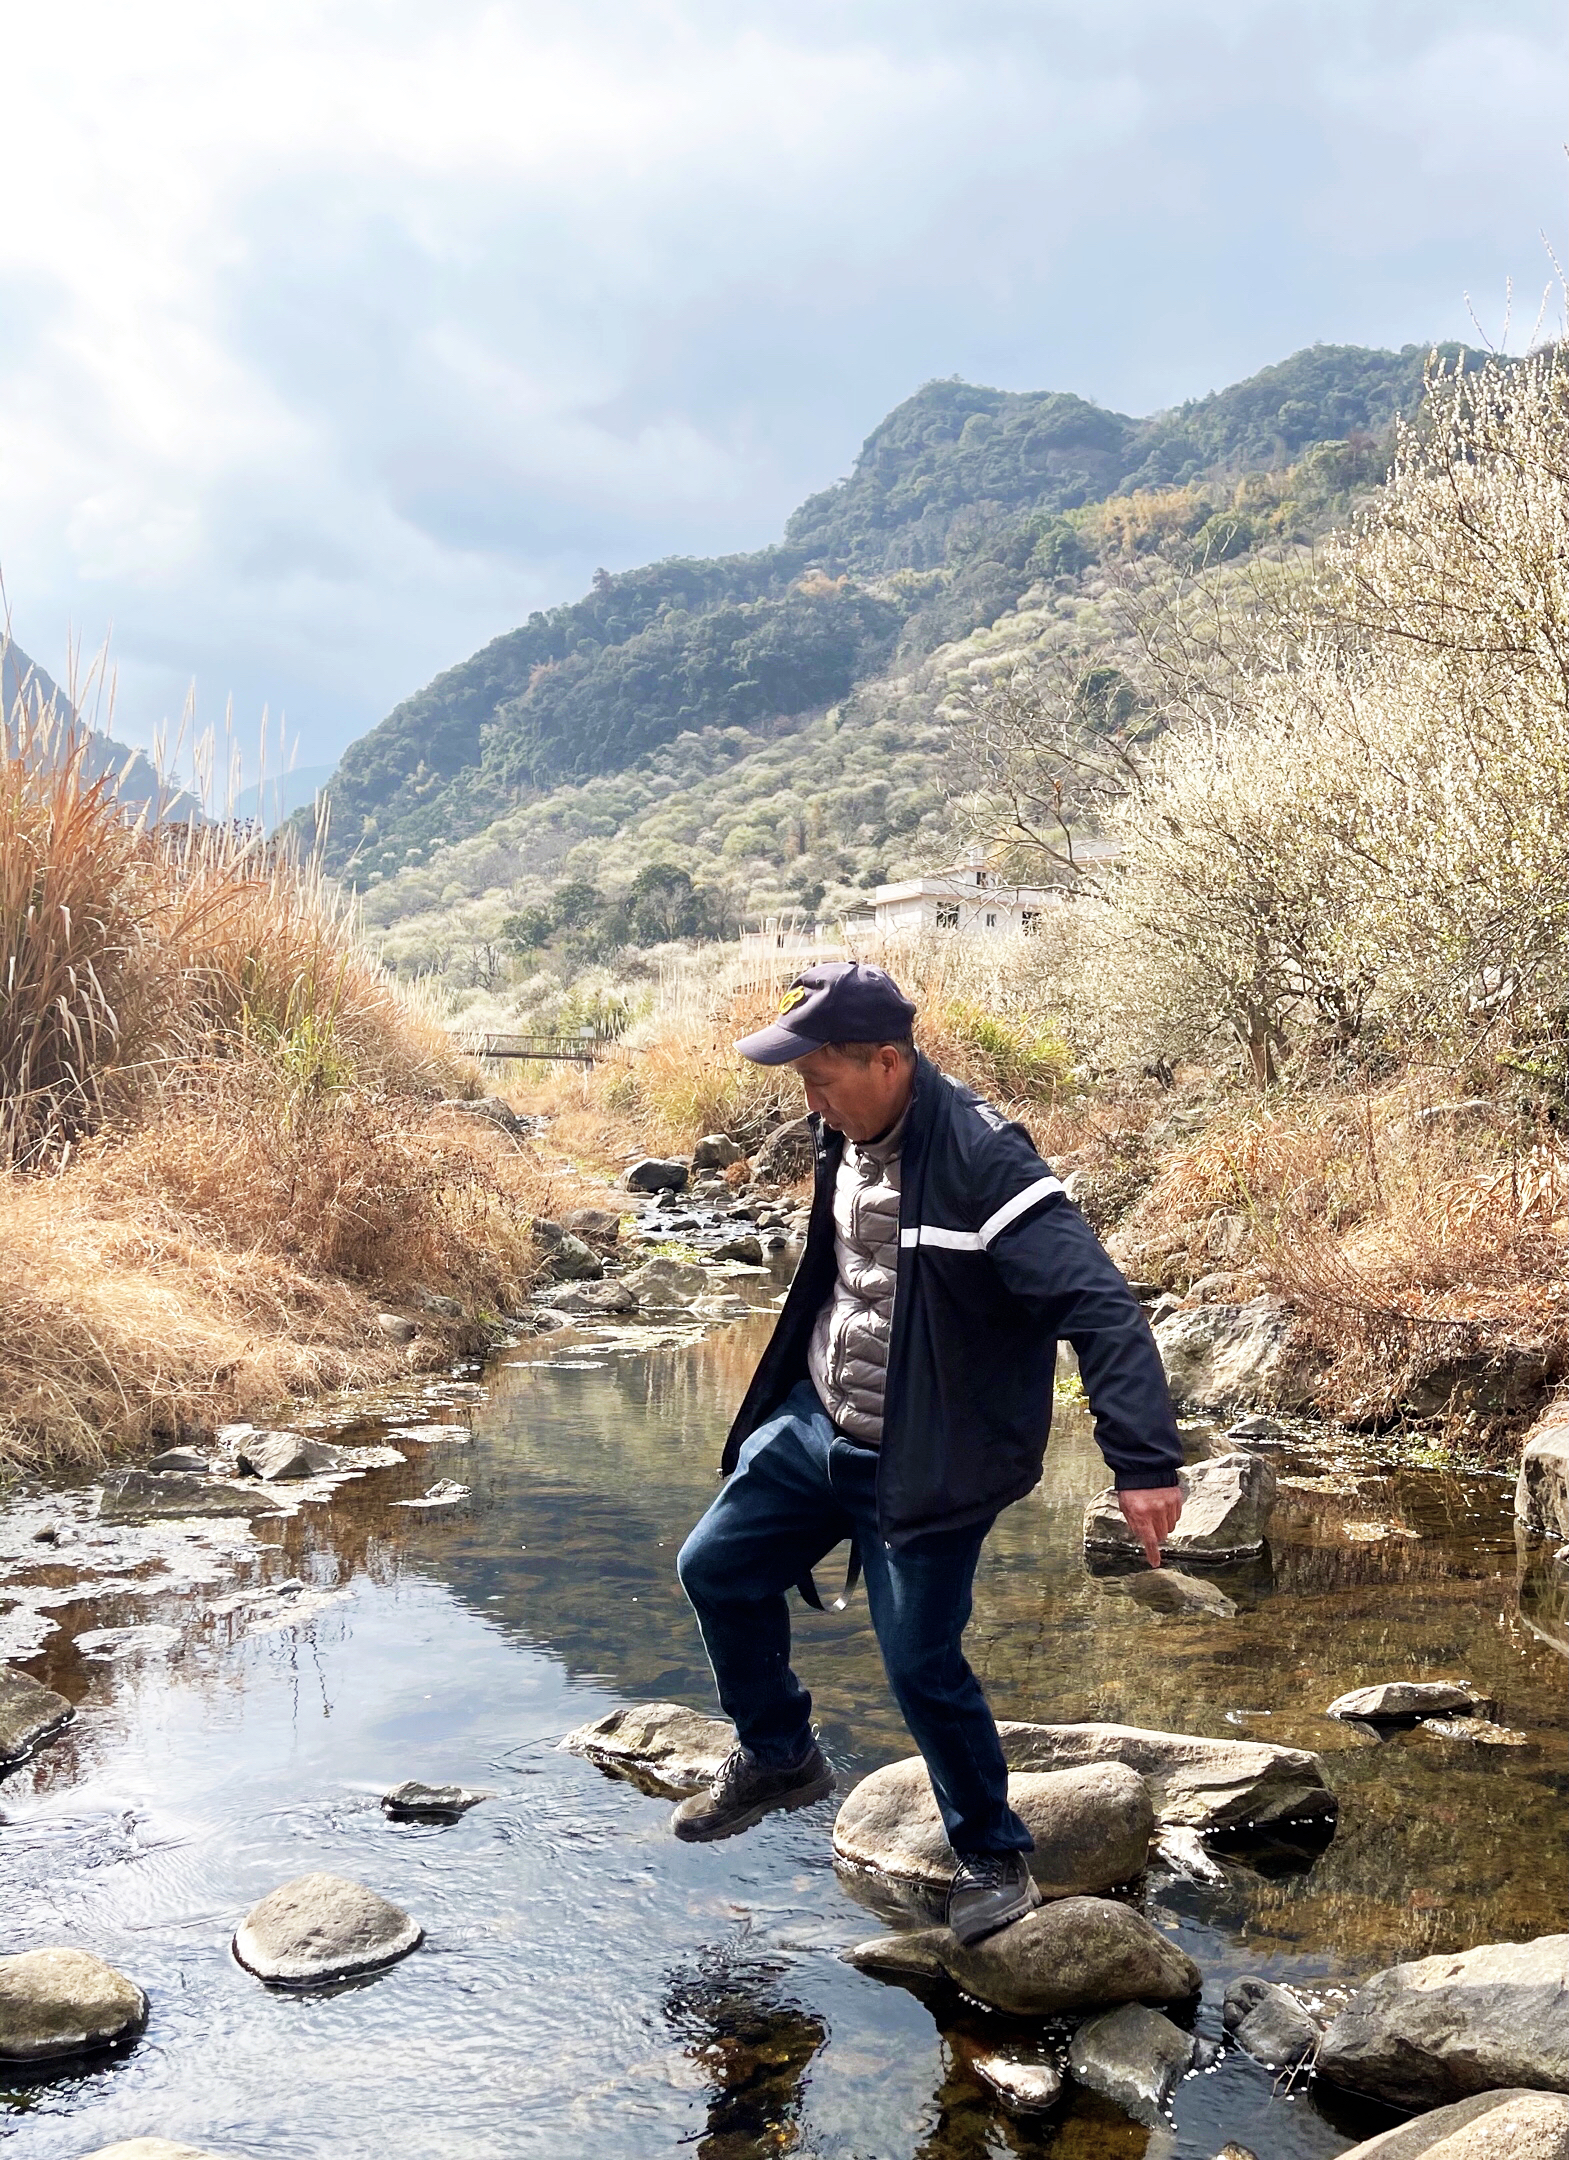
column 337, row 334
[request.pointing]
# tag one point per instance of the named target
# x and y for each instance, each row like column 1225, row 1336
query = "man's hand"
column 1152, row 1516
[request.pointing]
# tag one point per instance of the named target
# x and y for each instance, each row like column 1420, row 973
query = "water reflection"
column 753, row 2045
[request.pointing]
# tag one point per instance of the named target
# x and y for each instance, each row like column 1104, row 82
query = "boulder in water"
column 598, row 1298
column 1226, row 1503
column 274, row 1455
column 30, row 1713
column 1077, row 1953
column 1198, row 1783
column 1270, row 2023
column 746, row 1249
column 64, row 2002
column 593, row 1222
column 1168, row 1590
column 1092, row 1826
column 662, row 1748
column 320, row 1928
column 1443, row 2028
column 669, row 1282
column 1391, row 1700
column 414, row 1802
column 1134, row 2058
column 1509, row 2125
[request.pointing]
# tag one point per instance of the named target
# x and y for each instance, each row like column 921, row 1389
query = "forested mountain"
column 961, row 502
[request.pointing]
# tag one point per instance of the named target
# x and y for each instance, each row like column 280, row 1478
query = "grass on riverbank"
column 221, row 1150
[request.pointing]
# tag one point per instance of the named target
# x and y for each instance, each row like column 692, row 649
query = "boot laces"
column 728, row 1777
column 985, row 1871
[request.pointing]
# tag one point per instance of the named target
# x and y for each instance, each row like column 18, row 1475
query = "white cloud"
column 335, row 336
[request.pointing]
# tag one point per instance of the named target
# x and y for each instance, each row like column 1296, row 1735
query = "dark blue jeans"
column 798, row 1488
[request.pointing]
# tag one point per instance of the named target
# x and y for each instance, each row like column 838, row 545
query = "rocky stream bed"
column 339, row 1756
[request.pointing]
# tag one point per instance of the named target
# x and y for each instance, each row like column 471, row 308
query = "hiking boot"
column 745, row 1790
column 989, row 1891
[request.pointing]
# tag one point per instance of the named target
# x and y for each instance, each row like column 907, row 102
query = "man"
column 903, row 1401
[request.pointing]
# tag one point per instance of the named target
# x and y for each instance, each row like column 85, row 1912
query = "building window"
column 980, row 877
column 948, row 915
column 991, row 922
column 1030, row 921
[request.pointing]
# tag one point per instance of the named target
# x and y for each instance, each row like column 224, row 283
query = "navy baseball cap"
column 841, row 1001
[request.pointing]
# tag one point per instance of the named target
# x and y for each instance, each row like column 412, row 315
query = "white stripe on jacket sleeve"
column 993, row 1227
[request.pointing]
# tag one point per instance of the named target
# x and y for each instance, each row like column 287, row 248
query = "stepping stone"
column 413, row 1802
column 1391, row 1700
column 320, row 1928
column 64, row 2002
column 29, row 1714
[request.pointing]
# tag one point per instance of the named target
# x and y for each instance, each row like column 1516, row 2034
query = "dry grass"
column 221, row 1147
column 1423, row 1250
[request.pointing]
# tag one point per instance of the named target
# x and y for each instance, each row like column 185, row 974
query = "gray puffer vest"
column 847, row 1357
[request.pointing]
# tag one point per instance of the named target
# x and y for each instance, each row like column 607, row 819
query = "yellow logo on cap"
column 796, row 995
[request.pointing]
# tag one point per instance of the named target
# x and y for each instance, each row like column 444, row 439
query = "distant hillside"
column 960, row 502
column 23, row 681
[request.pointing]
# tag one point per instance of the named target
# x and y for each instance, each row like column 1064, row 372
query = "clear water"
column 588, row 1985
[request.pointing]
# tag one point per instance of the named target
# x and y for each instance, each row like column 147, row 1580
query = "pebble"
column 446, row 1492
column 412, row 1801
column 1024, row 2088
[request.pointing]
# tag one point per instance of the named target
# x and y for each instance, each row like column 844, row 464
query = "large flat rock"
column 64, row 2002
column 1231, row 1357
column 1542, row 1490
column 1197, row 1783
column 320, row 1928
column 661, row 1747
column 1226, row 1503
column 1091, row 1825
column 29, row 1714
column 1511, row 2125
column 1443, row 2028
column 1077, row 1953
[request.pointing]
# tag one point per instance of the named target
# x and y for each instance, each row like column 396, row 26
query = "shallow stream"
column 589, row 1986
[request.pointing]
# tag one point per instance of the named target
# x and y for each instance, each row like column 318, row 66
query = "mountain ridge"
column 960, row 498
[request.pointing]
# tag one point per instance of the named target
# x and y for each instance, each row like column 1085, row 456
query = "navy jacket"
column 995, row 1264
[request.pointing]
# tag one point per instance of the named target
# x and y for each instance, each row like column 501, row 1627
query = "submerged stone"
column 1024, row 2088
column 1092, row 1826
column 30, row 1713
column 1168, row 1590
column 64, row 2002
column 320, row 1928
column 1134, row 2058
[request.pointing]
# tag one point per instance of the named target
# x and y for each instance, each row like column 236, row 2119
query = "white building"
column 969, row 898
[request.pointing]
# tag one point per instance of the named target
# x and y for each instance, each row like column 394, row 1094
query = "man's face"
column 858, row 1100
